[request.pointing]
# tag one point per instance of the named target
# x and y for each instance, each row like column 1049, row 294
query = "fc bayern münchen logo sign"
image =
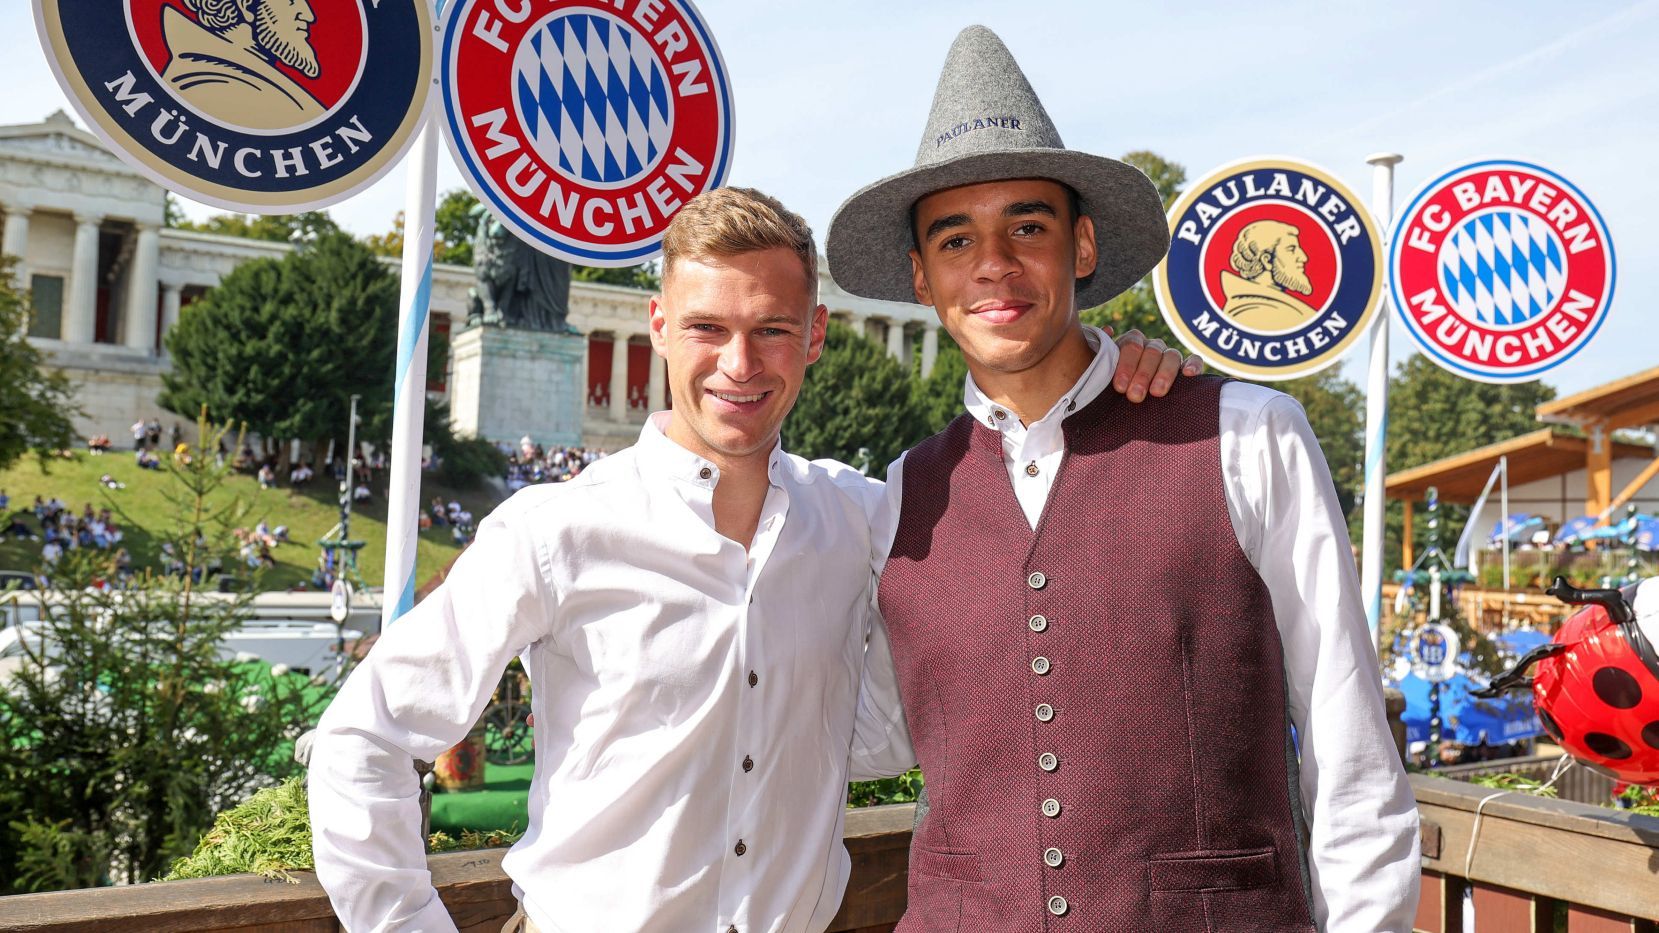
column 586, row 125
column 1501, row 270
column 266, row 106
column 1273, row 271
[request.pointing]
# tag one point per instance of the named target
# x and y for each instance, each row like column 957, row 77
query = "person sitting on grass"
column 15, row 528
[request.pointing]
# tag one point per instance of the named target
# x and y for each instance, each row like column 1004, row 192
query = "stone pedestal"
column 506, row 383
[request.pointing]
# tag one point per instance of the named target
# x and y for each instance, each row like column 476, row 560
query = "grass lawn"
column 309, row 512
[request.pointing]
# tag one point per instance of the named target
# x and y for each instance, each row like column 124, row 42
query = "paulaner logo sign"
column 585, row 125
column 269, row 106
column 1274, row 269
column 1501, row 270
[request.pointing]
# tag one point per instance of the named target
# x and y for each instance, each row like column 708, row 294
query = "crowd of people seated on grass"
column 59, row 528
column 451, row 516
column 533, row 463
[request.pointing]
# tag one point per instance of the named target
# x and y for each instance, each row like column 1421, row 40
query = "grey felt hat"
column 988, row 125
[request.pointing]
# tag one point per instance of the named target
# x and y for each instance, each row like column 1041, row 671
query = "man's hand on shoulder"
column 1148, row 366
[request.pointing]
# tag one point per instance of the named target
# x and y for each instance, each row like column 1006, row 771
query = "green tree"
column 35, row 406
column 277, row 228
column 125, row 729
column 456, row 219
column 646, row 275
column 1336, row 412
column 855, row 397
column 1434, row 413
column 282, row 344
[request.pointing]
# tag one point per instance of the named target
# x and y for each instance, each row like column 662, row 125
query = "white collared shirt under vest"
column 695, row 704
column 1363, row 850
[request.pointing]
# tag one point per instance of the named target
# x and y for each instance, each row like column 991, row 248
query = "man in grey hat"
column 1106, row 726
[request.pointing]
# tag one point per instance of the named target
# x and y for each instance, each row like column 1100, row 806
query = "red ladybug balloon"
column 1597, row 684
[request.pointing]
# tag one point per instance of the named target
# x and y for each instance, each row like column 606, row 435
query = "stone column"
column 80, row 317
column 619, row 378
column 16, row 242
column 895, row 339
column 930, row 348
column 171, row 295
column 657, row 385
column 140, row 329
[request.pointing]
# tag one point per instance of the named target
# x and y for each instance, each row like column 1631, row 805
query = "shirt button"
column 1047, row 761
column 1051, row 808
column 1057, row 906
column 1038, row 623
column 732, row 929
column 753, row 678
column 748, row 763
column 1000, row 414
column 1053, row 858
column 1037, row 581
column 1039, row 666
column 1071, row 406
column 740, row 848
column 1044, row 712
column 1031, row 468
column 704, row 473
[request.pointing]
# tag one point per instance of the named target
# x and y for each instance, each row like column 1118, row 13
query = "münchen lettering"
column 171, row 128
column 1242, row 346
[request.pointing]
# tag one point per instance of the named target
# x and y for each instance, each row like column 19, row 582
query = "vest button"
column 1048, row 762
column 1057, row 906
column 1037, row 581
column 1044, row 712
column 1051, row 808
column 1039, row 666
column 1038, row 623
column 1053, row 858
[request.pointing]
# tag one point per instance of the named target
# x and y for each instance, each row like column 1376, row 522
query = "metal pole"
column 346, row 487
column 409, row 395
column 1376, row 408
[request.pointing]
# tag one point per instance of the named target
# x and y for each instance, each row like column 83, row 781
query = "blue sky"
column 831, row 96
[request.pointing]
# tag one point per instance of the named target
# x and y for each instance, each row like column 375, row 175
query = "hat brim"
column 869, row 239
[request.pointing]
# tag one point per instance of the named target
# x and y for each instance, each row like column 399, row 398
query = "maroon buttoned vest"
column 1098, row 706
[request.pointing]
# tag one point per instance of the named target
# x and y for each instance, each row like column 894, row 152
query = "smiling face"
column 738, row 333
column 999, row 262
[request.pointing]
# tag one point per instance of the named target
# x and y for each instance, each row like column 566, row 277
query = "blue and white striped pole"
column 1376, row 407
column 409, row 398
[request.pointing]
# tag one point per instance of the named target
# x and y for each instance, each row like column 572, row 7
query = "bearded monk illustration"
column 224, row 62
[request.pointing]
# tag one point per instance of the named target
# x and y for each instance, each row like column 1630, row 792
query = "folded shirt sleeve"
column 1362, row 815
column 418, row 692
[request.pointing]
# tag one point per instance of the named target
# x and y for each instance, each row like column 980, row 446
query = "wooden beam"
column 1406, row 559
column 1634, row 486
column 1638, row 417
column 1598, row 470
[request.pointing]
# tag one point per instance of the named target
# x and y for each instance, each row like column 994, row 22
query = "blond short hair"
column 728, row 222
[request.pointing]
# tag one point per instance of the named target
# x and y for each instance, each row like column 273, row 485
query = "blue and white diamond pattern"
column 592, row 98
column 1503, row 268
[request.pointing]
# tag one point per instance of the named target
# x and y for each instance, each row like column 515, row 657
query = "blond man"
column 694, row 613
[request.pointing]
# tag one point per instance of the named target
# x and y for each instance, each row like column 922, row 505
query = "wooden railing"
column 1536, row 865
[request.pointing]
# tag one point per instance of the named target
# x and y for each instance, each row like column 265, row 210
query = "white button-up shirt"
column 663, row 656
column 1363, row 851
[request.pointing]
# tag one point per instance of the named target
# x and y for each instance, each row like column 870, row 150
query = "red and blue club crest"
column 1274, row 269
column 269, row 106
column 585, row 126
column 1501, row 270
